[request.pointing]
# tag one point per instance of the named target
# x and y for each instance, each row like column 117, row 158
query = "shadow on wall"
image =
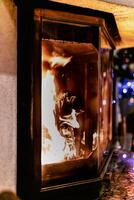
column 8, row 195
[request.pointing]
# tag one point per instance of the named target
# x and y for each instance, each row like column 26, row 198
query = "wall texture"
column 7, row 95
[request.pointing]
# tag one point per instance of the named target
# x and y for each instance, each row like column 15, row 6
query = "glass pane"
column 69, row 102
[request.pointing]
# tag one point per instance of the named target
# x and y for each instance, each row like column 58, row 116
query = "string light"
column 126, row 88
column 124, row 155
column 124, row 63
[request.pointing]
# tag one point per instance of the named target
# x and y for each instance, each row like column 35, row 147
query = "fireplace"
column 69, row 124
column 64, row 97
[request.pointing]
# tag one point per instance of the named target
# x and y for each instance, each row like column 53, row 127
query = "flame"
column 52, row 147
column 56, row 147
column 54, row 55
column 58, row 141
column 59, row 61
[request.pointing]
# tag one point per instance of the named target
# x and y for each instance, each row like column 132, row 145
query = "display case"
column 64, row 98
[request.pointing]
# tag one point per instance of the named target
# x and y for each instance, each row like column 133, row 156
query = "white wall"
column 7, row 96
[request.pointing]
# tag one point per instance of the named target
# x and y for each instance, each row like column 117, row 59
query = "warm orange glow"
column 64, row 120
column 54, row 56
column 54, row 148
